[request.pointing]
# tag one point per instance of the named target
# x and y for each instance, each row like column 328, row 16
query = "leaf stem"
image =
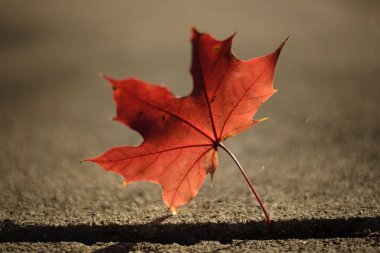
column 249, row 183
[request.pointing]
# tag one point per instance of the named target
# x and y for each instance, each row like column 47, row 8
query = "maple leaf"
column 182, row 135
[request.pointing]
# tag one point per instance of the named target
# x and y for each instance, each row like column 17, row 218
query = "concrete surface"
column 315, row 163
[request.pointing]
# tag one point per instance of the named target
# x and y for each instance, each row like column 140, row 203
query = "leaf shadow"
column 189, row 234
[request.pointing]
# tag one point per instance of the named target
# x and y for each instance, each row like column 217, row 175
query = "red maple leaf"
column 182, row 135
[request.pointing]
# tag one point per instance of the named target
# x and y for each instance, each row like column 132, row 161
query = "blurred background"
column 317, row 156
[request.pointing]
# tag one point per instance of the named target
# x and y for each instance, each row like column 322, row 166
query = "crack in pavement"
column 188, row 234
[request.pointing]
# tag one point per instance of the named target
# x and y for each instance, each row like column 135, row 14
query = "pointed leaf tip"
column 194, row 33
column 282, row 44
column 109, row 79
column 85, row 160
column 232, row 36
column 124, row 184
column 262, row 119
column 194, row 29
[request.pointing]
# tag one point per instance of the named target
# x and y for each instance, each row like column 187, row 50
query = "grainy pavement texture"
column 315, row 163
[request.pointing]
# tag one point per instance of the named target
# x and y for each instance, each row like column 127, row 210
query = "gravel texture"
column 315, row 163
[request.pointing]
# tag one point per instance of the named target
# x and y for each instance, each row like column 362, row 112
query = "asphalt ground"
column 315, row 163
